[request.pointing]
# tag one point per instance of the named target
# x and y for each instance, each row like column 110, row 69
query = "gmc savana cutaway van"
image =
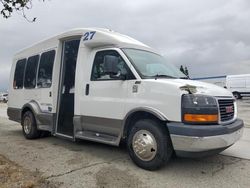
column 99, row 85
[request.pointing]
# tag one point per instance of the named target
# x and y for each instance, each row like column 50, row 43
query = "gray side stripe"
column 97, row 124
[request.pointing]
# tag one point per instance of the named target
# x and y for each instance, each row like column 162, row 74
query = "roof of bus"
column 101, row 37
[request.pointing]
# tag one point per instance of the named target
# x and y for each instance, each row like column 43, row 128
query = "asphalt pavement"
column 241, row 148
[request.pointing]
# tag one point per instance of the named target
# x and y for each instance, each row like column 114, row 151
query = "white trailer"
column 102, row 86
column 217, row 80
column 239, row 85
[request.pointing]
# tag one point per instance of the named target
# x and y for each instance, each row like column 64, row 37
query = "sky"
column 210, row 37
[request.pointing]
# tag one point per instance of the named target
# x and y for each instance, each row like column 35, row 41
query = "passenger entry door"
column 66, row 99
column 103, row 102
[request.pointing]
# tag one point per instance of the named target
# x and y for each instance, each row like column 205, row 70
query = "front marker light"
column 200, row 118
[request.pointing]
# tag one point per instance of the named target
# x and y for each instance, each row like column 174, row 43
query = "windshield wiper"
column 162, row 76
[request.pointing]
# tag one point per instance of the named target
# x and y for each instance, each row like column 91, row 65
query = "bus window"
column 19, row 73
column 30, row 72
column 46, row 69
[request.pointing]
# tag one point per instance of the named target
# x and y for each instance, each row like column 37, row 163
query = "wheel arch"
column 140, row 113
column 30, row 106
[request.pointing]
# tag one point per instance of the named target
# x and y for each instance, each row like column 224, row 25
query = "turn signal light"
column 200, row 118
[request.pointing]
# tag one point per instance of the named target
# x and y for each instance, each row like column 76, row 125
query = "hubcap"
column 144, row 145
column 27, row 125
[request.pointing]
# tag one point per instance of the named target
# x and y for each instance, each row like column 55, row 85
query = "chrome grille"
column 226, row 109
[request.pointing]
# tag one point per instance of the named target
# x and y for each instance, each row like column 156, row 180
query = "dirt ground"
column 12, row 175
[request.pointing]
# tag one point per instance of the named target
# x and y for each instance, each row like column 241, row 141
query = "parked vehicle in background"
column 99, row 85
column 217, row 80
column 4, row 97
column 239, row 85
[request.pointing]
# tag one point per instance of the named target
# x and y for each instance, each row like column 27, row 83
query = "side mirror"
column 110, row 64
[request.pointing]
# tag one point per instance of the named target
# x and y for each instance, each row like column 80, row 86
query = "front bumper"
column 202, row 140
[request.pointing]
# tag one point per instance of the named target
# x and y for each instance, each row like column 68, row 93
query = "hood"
column 197, row 87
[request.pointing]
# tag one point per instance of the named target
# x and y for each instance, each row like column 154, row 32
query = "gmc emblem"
column 229, row 109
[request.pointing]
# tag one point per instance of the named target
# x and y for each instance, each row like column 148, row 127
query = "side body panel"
column 16, row 97
column 42, row 101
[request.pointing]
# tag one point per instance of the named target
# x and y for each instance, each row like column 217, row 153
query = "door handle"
column 87, row 89
column 50, row 94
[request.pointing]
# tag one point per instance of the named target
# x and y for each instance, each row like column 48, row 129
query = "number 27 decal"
column 88, row 35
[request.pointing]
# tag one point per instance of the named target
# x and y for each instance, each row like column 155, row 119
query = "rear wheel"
column 30, row 130
column 149, row 144
column 237, row 95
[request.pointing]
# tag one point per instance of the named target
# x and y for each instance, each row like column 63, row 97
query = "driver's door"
column 104, row 98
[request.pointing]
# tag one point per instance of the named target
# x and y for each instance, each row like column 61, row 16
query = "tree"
column 182, row 69
column 186, row 72
column 20, row 6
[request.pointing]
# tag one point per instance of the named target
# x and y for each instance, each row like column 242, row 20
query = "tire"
column 29, row 126
column 237, row 95
column 159, row 147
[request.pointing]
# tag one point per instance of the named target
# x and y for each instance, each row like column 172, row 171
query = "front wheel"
column 149, row 144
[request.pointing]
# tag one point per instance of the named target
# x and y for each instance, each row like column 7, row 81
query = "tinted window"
column 109, row 65
column 46, row 69
column 19, row 72
column 30, row 72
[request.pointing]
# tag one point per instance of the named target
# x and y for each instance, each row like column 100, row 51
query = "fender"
column 33, row 106
column 150, row 110
column 45, row 121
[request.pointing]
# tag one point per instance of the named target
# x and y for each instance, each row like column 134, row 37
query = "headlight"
column 199, row 109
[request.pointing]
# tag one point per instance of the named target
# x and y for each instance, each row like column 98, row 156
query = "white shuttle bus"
column 99, row 85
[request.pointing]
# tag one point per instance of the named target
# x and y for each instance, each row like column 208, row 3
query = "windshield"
column 151, row 65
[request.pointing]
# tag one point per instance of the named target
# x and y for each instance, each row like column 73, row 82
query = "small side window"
column 30, row 72
column 109, row 65
column 45, row 71
column 19, row 74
